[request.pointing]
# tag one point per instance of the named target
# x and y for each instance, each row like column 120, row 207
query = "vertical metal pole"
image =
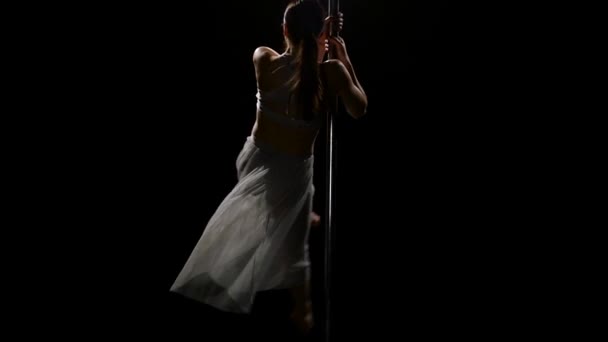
column 333, row 9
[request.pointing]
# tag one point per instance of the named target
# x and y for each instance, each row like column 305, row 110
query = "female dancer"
column 257, row 240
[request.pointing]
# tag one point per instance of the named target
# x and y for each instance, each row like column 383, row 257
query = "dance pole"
column 330, row 202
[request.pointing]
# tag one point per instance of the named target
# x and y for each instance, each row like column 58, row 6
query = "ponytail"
column 305, row 21
column 307, row 85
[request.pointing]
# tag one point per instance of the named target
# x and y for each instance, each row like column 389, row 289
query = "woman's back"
column 293, row 86
column 280, row 121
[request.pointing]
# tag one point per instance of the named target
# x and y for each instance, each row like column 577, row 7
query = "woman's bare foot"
column 303, row 318
column 315, row 219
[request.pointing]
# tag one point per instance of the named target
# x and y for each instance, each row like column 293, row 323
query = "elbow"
column 356, row 107
column 361, row 111
column 359, row 114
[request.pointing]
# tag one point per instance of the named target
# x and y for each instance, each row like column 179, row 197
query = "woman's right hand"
column 337, row 22
column 338, row 47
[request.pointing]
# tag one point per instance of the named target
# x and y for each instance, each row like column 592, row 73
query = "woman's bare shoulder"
column 334, row 67
column 335, row 72
column 264, row 54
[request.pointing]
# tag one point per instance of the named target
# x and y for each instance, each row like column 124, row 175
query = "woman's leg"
column 315, row 220
column 302, row 308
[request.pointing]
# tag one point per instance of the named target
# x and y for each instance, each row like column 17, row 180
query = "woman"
column 257, row 239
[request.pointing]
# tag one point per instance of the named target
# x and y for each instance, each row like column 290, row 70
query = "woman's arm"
column 302, row 311
column 342, row 81
column 339, row 47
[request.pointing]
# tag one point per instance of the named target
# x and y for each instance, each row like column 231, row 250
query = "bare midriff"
column 298, row 141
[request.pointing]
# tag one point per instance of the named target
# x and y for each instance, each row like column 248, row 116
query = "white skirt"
column 258, row 237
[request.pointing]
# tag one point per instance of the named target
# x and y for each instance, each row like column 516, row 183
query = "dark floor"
column 268, row 321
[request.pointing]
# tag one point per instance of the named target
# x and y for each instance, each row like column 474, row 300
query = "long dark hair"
column 304, row 21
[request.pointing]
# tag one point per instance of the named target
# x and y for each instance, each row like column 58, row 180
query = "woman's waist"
column 276, row 148
column 295, row 145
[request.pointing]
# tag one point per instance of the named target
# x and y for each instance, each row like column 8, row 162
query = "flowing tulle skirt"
column 257, row 238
